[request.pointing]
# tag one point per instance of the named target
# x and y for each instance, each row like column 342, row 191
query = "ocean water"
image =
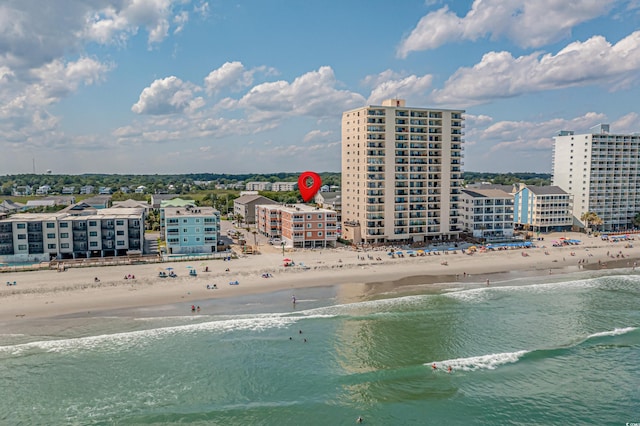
column 535, row 351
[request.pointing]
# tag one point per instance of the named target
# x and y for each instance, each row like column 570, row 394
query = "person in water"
column 433, row 366
column 359, row 419
column 449, row 369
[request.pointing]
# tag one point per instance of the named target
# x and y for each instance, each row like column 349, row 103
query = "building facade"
column 284, row 186
column 543, row 208
column 488, row 213
column 190, row 229
column 64, row 235
column 401, row 173
column 258, row 186
column 298, row 225
column 245, row 206
column 602, row 172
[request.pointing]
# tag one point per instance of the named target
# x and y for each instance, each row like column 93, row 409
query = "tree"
column 255, row 237
column 636, row 220
column 590, row 218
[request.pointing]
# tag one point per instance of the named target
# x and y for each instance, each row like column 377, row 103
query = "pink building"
column 298, row 225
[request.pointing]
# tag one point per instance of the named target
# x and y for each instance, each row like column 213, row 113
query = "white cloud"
column 411, row 88
column 231, row 75
column 526, row 23
column 316, row 135
column 168, row 96
column 629, row 123
column 313, row 94
column 180, row 20
column 500, row 75
column 117, row 21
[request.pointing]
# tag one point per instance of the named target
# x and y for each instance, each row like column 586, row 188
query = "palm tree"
column 590, row 218
column 255, row 237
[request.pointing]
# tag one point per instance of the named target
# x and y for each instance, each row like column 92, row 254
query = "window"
column 64, row 225
column 319, row 233
column 120, row 232
column 198, row 239
column 120, row 243
column 93, row 223
column 93, row 244
column 93, row 233
column 21, row 226
column 51, row 246
column 51, row 235
column 185, row 230
column 22, row 247
column 309, row 225
column 186, row 240
column 64, row 245
column 319, row 225
column 197, row 229
column 22, row 237
column 308, row 216
column 319, row 216
column 51, row 225
column 64, row 235
column 120, row 222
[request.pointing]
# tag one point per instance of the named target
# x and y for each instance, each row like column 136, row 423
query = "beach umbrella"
column 169, row 269
column 452, row 249
column 189, row 267
column 286, row 260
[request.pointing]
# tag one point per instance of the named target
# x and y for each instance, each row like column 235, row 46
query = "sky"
column 213, row 86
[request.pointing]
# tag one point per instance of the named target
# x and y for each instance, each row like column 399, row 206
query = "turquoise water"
column 522, row 352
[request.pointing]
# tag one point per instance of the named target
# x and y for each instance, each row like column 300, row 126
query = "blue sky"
column 183, row 86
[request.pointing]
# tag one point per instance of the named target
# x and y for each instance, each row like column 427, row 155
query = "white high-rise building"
column 602, row 172
column 401, row 173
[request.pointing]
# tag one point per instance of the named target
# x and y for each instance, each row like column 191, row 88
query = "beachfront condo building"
column 542, row 208
column 488, row 213
column 74, row 233
column 190, row 229
column 602, row 172
column 401, row 173
column 298, row 225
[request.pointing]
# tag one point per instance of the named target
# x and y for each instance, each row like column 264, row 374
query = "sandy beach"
column 48, row 293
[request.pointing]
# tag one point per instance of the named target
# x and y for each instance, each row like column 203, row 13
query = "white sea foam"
column 482, row 362
column 118, row 341
column 614, row 332
column 481, row 294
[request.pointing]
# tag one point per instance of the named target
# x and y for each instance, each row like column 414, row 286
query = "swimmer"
column 433, row 366
column 487, row 281
column 449, row 369
column 359, row 419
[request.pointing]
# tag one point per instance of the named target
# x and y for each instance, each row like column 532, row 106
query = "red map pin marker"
column 308, row 191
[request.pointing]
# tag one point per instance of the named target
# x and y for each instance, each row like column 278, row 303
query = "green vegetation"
column 529, row 178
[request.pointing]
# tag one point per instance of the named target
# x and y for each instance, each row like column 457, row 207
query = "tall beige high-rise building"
column 401, row 173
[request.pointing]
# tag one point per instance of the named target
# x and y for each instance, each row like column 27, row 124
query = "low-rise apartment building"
column 298, row 225
column 190, row 229
column 39, row 237
column 543, row 208
column 258, row 186
column 284, row 186
column 488, row 213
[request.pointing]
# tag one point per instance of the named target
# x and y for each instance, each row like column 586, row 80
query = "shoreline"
column 50, row 294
